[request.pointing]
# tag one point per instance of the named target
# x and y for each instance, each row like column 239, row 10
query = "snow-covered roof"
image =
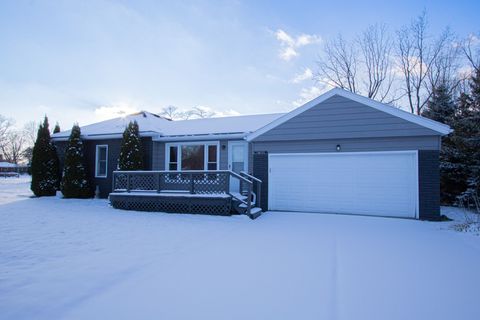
column 4, row 164
column 149, row 124
column 224, row 125
column 159, row 127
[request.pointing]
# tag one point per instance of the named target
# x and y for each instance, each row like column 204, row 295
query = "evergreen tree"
column 45, row 165
column 131, row 153
column 473, row 138
column 441, row 107
column 75, row 182
column 57, row 128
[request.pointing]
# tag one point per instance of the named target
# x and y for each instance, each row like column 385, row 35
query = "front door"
column 237, row 161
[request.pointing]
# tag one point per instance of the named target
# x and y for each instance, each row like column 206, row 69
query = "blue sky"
column 86, row 60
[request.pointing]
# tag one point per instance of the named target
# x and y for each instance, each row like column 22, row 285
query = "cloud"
column 110, row 112
column 307, row 74
column 291, row 44
column 310, row 93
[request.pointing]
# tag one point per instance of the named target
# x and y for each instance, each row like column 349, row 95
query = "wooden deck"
column 197, row 192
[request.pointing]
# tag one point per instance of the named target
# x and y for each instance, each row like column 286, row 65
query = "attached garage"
column 365, row 183
column 344, row 153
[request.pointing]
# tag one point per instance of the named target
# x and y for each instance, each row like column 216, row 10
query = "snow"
column 81, row 259
column 151, row 123
column 4, row 164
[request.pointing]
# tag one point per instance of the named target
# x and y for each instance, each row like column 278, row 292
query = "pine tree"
column 57, row 128
column 473, row 139
column 75, row 182
column 131, row 153
column 440, row 107
column 45, row 165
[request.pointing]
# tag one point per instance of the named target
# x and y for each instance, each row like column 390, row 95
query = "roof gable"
column 435, row 127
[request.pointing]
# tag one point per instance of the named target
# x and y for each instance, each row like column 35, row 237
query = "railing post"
column 259, row 194
column 191, row 184
column 159, row 182
column 249, row 199
column 128, row 182
column 227, row 181
column 113, row 182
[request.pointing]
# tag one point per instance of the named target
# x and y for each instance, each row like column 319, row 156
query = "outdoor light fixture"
column 338, row 147
column 223, row 147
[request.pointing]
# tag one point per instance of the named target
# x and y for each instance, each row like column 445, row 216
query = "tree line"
column 401, row 68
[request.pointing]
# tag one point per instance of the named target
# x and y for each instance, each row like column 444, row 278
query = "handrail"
column 251, row 177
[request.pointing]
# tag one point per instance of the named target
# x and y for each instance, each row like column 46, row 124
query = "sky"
column 86, row 61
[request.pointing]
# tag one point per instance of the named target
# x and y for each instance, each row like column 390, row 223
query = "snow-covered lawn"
column 80, row 259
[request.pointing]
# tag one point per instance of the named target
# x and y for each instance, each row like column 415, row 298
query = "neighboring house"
column 339, row 153
column 12, row 169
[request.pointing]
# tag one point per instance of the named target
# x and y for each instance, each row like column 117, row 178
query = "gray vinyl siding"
column 341, row 118
column 350, row 145
column 158, row 155
column 223, row 165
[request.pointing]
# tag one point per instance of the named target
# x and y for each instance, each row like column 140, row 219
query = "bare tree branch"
column 471, row 50
column 362, row 66
column 339, row 67
column 424, row 63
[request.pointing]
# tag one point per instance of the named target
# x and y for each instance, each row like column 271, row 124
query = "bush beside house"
column 131, row 152
column 45, row 164
column 75, row 183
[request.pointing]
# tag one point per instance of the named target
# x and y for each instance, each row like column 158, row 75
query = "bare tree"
column 421, row 60
column 376, row 47
column 173, row 113
column 339, row 65
column 471, row 50
column 30, row 129
column 14, row 146
column 169, row 112
column 362, row 66
column 6, row 125
column 201, row 112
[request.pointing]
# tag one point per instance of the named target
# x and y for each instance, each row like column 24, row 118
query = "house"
column 339, row 153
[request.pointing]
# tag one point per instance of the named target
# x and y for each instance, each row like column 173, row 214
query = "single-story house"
column 339, row 153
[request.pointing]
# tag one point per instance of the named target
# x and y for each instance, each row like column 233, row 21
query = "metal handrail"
column 251, row 177
column 259, row 187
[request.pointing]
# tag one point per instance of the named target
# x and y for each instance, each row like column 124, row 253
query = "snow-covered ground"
column 81, row 259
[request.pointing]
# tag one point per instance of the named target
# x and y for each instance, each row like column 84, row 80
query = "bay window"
column 192, row 156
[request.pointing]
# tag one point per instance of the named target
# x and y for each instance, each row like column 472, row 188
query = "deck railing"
column 193, row 182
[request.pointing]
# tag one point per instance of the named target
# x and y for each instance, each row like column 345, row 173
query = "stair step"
column 238, row 195
column 255, row 213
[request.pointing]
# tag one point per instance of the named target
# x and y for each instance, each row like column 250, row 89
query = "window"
column 212, row 157
column 101, row 160
column 192, row 156
column 173, row 162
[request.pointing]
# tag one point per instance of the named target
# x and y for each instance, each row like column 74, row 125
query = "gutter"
column 202, row 137
column 144, row 134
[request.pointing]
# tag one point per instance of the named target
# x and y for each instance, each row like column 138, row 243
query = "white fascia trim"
column 145, row 134
column 441, row 128
column 203, row 137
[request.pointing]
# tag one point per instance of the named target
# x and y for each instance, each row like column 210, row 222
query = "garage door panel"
column 358, row 183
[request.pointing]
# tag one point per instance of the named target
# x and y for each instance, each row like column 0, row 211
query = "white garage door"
column 370, row 183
